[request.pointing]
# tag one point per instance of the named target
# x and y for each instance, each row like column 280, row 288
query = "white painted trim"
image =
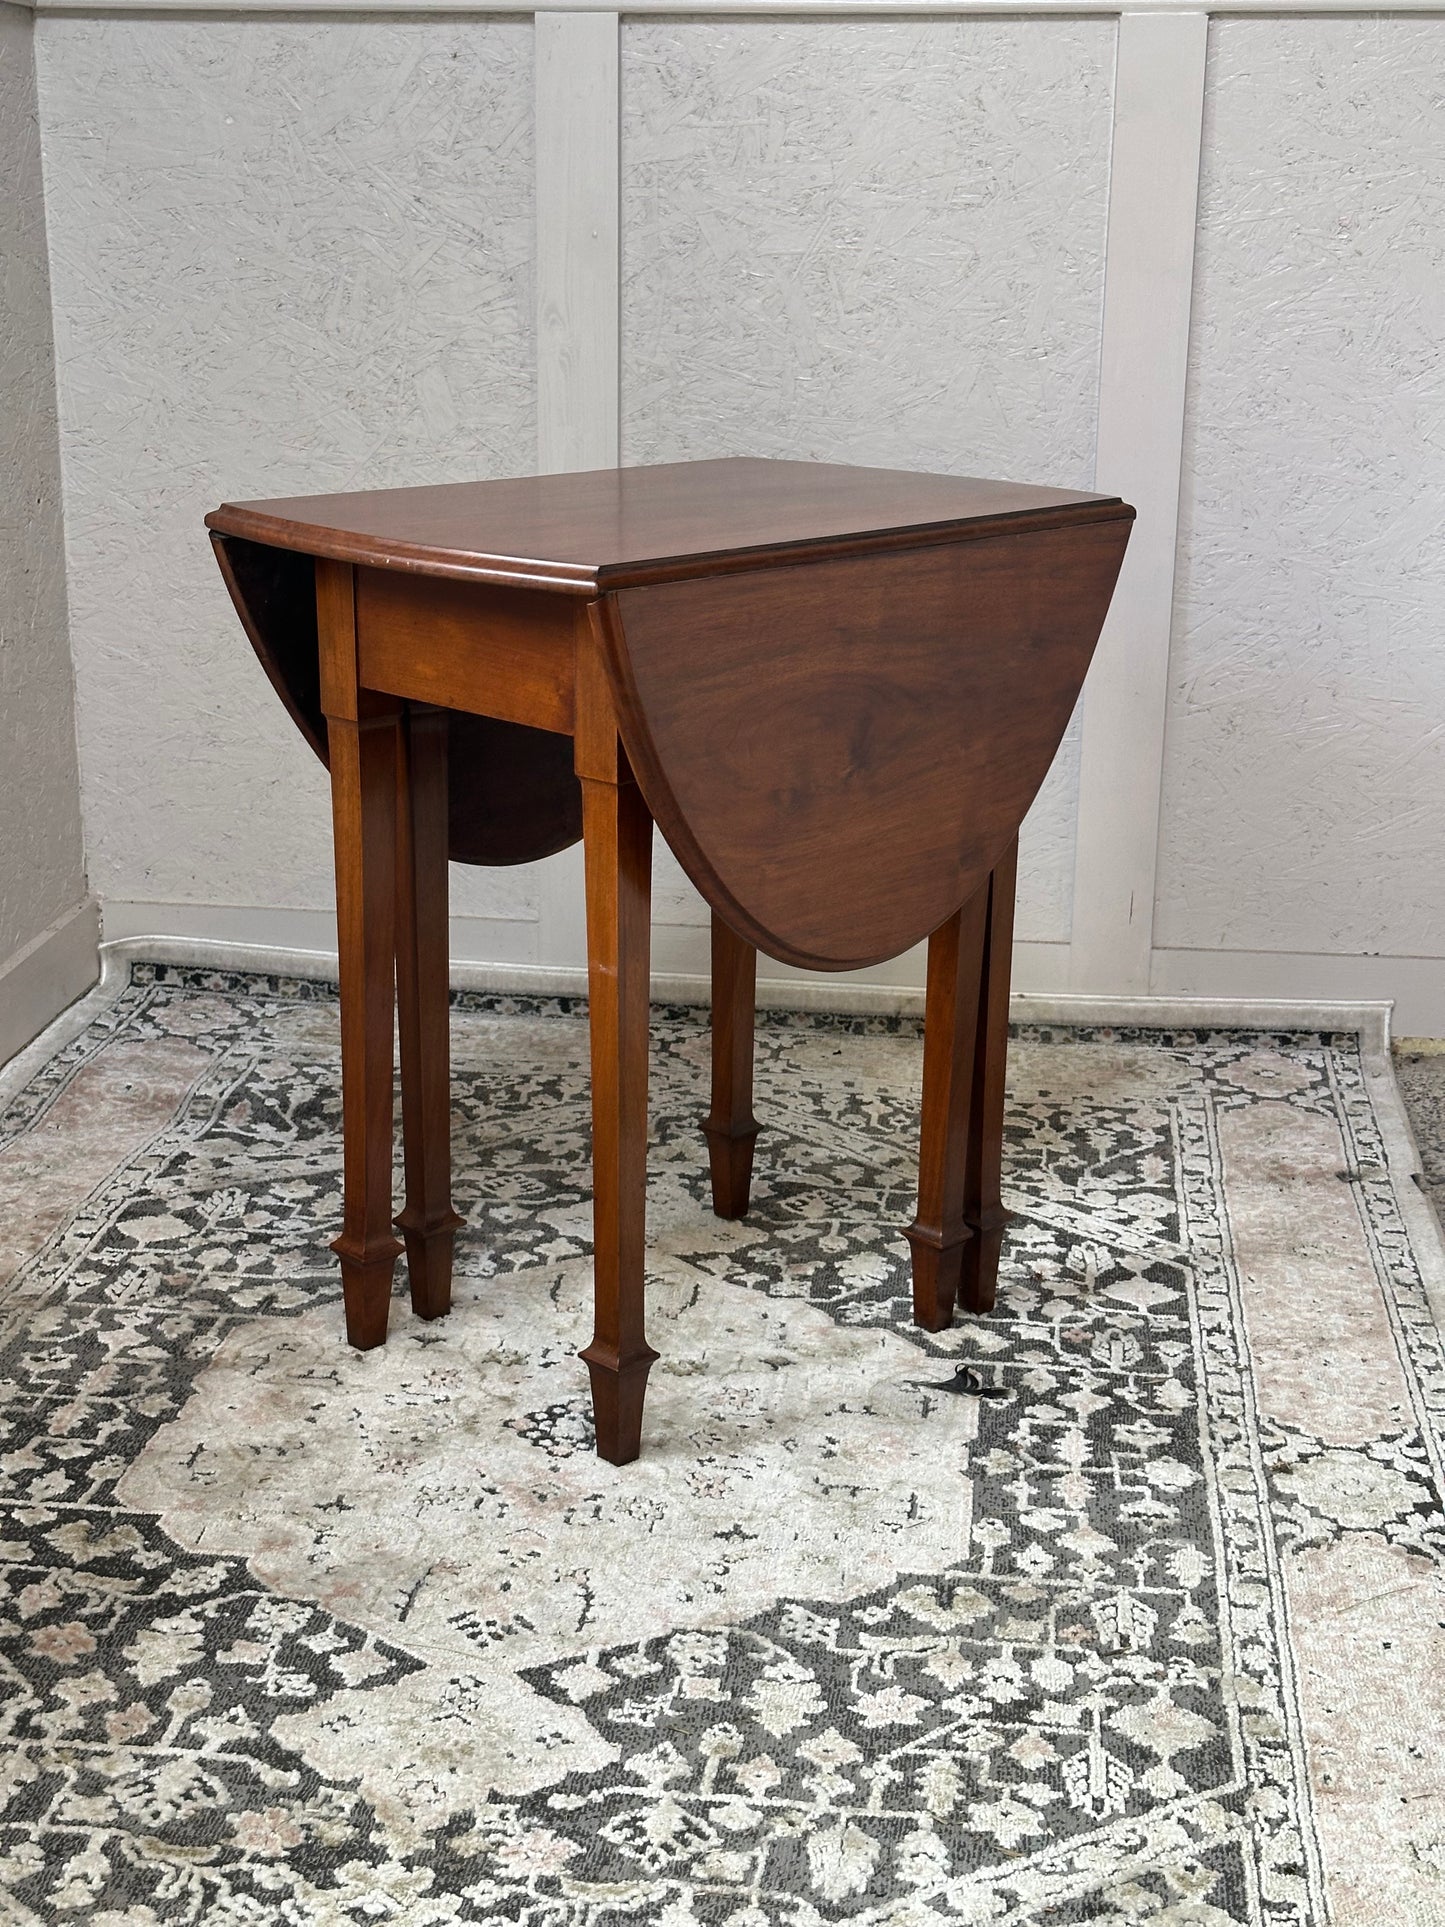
column 1144, row 361
column 14, row 1076
column 1371, row 1021
column 576, row 142
column 542, row 980
column 820, row 9
column 578, row 149
column 303, row 943
column 504, row 940
column 684, row 949
column 679, row 950
column 481, row 947
column 47, row 975
column 1414, row 985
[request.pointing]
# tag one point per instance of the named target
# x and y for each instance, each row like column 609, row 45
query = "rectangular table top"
column 619, row 527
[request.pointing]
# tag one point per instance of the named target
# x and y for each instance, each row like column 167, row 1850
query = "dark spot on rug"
column 966, row 1382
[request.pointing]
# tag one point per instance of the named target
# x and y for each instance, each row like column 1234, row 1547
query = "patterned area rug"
column 1123, row 1604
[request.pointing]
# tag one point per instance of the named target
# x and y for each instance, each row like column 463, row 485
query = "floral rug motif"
column 1124, row 1603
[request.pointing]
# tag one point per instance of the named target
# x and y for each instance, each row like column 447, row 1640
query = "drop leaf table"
column 835, row 690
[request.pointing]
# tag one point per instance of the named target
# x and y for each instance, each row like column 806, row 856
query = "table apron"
column 508, row 653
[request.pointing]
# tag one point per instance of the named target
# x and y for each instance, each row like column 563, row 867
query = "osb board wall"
column 288, row 256
column 919, row 277
column 299, row 253
column 1305, row 761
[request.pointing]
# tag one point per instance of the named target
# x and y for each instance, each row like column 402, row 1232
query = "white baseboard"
column 1414, row 985
column 684, row 950
column 50, row 972
column 797, row 992
column 505, row 940
column 303, row 943
column 500, row 953
column 1371, row 1020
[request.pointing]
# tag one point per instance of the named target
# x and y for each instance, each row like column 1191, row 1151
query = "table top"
column 623, row 527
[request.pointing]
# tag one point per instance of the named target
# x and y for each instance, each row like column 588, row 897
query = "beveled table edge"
column 591, row 579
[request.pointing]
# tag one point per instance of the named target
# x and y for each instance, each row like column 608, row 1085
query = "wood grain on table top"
column 617, row 528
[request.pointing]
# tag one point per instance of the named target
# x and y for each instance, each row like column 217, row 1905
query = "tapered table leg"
column 939, row 1235
column 427, row 1220
column 362, row 729
column 617, row 835
column 983, row 1210
column 730, row 1127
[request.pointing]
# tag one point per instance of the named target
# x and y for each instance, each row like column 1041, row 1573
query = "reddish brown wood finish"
column 468, row 646
column 730, row 1128
column 427, row 1220
column 273, row 591
column 363, row 732
column 513, row 794
column 617, row 843
column 618, row 527
column 983, row 1210
column 938, row 1234
column 885, row 720
column 836, row 689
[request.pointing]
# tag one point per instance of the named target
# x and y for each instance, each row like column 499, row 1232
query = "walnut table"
column 835, row 690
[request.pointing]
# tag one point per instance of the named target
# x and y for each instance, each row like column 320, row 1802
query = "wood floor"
column 1420, row 1068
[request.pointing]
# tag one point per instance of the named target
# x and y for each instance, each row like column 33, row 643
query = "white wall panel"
column 41, row 869
column 878, row 242
column 288, row 256
column 1143, row 376
column 1304, row 795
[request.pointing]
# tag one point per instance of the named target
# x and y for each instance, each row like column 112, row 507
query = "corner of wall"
column 48, row 923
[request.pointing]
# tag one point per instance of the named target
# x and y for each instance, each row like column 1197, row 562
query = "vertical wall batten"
column 578, row 315
column 1148, row 281
column 577, row 240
